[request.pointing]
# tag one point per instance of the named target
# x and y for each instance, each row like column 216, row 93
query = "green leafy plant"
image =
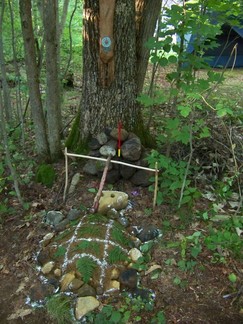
column 225, row 239
column 190, row 248
column 58, row 308
column 61, row 250
column 86, row 266
column 46, row 175
column 171, row 180
column 116, row 255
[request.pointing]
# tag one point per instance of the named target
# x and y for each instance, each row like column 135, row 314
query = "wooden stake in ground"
column 102, row 183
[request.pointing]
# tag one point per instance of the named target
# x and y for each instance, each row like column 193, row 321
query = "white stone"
column 47, row 268
column 135, row 254
column 85, row 305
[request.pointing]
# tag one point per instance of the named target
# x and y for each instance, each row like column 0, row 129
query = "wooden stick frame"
column 156, row 171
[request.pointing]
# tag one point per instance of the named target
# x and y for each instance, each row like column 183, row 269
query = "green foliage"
column 116, row 255
column 61, row 250
column 88, row 246
column 131, row 308
column 171, row 180
column 224, row 240
column 118, row 236
column 86, row 266
column 58, row 308
column 46, row 175
column 90, row 230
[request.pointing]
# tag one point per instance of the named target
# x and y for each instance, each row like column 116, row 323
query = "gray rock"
column 146, row 233
column 124, row 134
column 90, row 167
column 107, row 150
column 131, row 149
column 141, row 178
column 127, row 172
column 73, row 214
column 94, row 144
column 74, row 182
column 113, row 176
column 54, row 217
column 95, row 153
column 86, row 290
column 102, row 138
column 128, row 280
column 43, row 257
column 62, row 225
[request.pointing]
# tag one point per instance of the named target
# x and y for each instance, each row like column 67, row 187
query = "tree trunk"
column 6, row 92
column 52, row 79
column 103, row 106
column 147, row 13
column 33, row 80
column 110, row 72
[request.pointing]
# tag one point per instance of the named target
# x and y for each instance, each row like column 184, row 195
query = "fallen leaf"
column 20, row 313
column 153, row 268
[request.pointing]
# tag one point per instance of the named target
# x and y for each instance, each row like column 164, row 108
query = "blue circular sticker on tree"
column 106, row 42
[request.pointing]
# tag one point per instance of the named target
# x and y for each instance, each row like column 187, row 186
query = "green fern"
column 116, row 255
column 61, row 250
column 89, row 229
column 98, row 218
column 91, row 246
column 63, row 234
column 86, row 266
column 119, row 237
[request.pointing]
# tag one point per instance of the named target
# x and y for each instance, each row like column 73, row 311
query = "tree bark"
column 147, row 13
column 104, row 106
column 6, row 92
column 54, row 117
column 105, row 103
column 33, row 80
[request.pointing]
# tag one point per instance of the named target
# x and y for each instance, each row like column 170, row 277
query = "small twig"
column 187, row 169
column 102, row 183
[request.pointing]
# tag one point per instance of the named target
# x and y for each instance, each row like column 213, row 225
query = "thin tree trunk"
column 147, row 13
column 33, row 80
column 3, row 136
column 6, row 92
column 54, row 119
column 17, row 74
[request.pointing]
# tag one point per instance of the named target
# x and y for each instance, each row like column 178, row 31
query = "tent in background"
column 223, row 55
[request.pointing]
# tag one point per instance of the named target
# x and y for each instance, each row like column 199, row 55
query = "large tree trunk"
column 110, row 78
column 54, row 118
column 33, row 80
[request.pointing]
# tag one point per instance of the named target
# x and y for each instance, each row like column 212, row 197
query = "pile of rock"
column 132, row 152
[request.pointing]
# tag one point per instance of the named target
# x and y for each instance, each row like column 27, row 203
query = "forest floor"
column 195, row 295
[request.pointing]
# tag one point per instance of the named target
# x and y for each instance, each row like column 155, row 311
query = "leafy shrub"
column 46, row 175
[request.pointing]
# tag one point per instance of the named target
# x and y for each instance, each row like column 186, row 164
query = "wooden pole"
column 95, row 206
column 156, row 184
column 66, row 175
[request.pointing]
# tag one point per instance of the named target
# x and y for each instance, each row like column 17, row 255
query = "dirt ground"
column 197, row 299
